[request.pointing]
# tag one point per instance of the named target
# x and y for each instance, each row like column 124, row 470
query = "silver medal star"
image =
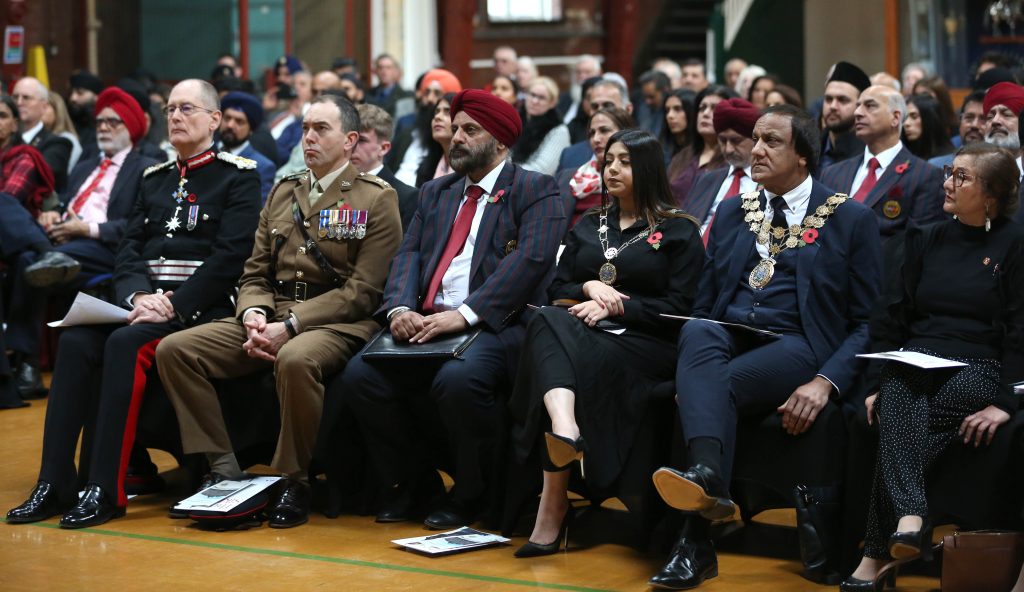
column 173, row 224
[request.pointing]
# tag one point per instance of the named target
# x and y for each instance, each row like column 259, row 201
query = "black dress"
column 959, row 294
column 611, row 374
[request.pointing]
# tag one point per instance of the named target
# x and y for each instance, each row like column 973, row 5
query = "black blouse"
column 662, row 280
column 960, row 293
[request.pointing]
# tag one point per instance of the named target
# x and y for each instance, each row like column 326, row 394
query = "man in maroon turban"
column 85, row 231
column 1003, row 104
column 734, row 121
column 480, row 248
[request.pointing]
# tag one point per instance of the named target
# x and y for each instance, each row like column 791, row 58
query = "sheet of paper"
column 226, row 495
column 453, row 541
column 1018, row 389
column 914, row 359
column 724, row 324
column 89, row 310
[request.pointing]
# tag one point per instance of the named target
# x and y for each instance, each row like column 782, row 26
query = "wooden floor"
column 148, row 551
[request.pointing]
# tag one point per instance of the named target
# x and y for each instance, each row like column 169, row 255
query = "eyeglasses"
column 960, row 176
column 188, row 110
column 111, row 122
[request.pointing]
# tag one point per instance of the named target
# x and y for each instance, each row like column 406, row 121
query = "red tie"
column 83, row 197
column 869, row 181
column 456, row 241
column 734, row 189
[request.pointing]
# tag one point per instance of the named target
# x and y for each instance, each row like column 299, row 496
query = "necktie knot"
column 778, row 203
column 873, row 164
column 105, row 164
column 474, row 192
column 778, row 215
column 738, row 173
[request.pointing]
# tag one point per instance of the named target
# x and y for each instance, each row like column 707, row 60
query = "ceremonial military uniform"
column 318, row 262
column 189, row 233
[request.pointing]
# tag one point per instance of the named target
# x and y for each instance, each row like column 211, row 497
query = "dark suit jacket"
column 701, row 196
column 575, row 156
column 264, row 166
column 911, row 197
column 122, row 194
column 56, row 152
column 387, row 102
column 838, row 279
column 406, row 196
column 500, row 285
column 1019, row 216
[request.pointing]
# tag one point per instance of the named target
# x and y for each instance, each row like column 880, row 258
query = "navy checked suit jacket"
column 913, row 197
column 701, row 197
column 838, row 279
column 122, row 195
column 529, row 212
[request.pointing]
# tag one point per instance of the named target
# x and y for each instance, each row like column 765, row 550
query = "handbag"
column 384, row 347
column 981, row 560
column 817, row 528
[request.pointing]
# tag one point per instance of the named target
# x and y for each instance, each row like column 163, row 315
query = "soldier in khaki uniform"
column 325, row 240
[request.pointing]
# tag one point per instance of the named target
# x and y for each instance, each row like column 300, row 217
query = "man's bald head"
column 878, row 118
column 325, row 80
column 31, row 96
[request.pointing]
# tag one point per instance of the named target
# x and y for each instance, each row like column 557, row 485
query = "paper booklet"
column 914, row 359
column 1018, row 389
column 88, row 310
column 226, row 495
column 762, row 332
column 453, row 541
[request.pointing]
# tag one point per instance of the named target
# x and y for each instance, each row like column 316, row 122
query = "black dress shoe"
column 28, row 379
column 52, row 269
column 93, row 509
column 692, row 562
column 43, row 503
column 409, row 500
column 208, row 480
column 9, row 396
column 292, row 507
column 698, row 489
column 453, row 514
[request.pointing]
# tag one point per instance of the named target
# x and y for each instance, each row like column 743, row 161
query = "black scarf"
column 534, row 132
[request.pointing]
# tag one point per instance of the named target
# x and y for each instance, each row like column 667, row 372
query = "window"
column 517, row 11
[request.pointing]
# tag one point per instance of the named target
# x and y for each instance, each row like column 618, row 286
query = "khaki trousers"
column 188, row 360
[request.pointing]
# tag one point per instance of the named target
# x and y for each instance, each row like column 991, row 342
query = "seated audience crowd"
column 484, row 282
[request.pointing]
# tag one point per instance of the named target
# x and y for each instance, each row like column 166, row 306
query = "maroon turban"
column 739, row 115
column 126, row 108
column 496, row 116
column 1005, row 93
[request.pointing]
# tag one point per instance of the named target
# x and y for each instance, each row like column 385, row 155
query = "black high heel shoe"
column 532, row 549
column 910, row 545
column 562, row 452
column 886, row 578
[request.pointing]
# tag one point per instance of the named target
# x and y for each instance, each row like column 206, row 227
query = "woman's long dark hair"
column 15, row 138
column 651, row 192
column 668, row 139
column 934, row 139
column 435, row 151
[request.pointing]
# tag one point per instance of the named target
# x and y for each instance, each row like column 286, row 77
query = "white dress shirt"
column 885, row 158
column 746, row 184
column 1020, row 166
column 796, row 208
column 30, row 134
column 238, row 149
column 406, row 172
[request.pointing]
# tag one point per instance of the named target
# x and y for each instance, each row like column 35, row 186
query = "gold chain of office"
column 779, row 239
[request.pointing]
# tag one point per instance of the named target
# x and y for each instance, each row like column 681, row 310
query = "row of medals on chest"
column 778, row 239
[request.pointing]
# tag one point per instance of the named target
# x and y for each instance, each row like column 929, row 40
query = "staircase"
column 679, row 33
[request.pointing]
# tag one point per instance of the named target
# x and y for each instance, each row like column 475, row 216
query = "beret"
column 739, row 115
column 992, row 77
column 850, row 74
column 1005, row 93
column 500, row 119
column 87, row 80
column 126, row 107
column 449, row 83
column 245, row 103
column 292, row 62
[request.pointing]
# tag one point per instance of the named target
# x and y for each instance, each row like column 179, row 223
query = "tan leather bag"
column 981, row 560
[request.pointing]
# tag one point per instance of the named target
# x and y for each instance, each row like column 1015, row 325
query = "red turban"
column 126, row 108
column 739, row 115
column 496, row 116
column 1005, row 93
column 448, row 81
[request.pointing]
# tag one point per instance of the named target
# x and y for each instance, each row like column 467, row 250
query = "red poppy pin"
column 191, row 198
column 809, row 236
column 496, row 196
column 654, row 240
column 902, row 167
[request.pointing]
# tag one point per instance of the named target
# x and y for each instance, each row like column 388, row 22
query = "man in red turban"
column 480, row 248
column 1003, row 104
column 85, row 231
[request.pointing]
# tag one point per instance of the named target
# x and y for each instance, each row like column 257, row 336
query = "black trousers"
column 719, row 378
column 99, row 379
column 919, row 414
column 467, row 395
column 18, row 230
column 29, row 305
